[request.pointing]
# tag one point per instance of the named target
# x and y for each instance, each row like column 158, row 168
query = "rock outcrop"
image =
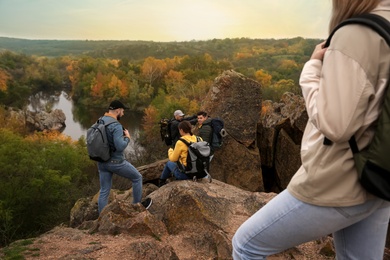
column 237, row 100
column 279, row 136
column 41, row 121
column 187, row 220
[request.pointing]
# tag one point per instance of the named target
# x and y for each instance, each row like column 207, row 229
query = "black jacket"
column 175, row 129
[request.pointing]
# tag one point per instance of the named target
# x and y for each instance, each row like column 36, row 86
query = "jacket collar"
column 110, row 115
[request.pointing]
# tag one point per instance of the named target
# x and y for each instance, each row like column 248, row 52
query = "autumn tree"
column 4, row 76
column 175, row 83
column 274, row 92
column 153, row 69
column 263, row 78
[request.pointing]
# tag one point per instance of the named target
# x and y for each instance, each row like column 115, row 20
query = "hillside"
column 137, row 50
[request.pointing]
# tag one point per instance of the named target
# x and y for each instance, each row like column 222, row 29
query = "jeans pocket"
column 359, row 210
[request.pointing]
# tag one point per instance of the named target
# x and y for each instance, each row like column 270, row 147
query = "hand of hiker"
column 126, row 133
column 319, row 51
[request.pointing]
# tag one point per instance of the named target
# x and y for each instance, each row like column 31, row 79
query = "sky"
column 163, row 20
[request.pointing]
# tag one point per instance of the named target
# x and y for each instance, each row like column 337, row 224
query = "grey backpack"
column 97, row 143
column 198, row 159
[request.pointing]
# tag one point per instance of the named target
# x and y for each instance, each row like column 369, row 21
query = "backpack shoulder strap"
column 373, row 21
column 109, row 122
column 185, row 141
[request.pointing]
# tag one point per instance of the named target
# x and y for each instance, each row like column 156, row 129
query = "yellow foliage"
column 263, row 78
column 49, row 136
column 153, row 68
column 172, row 63
column 72, row 68
column 115, row 82
column 288, row 64
column 124, row 89
column 243, row 55
column 149, row 122
column 3, row 80
column 174, row 81
column 193, row 108
column 266, row 108
column 115, row 63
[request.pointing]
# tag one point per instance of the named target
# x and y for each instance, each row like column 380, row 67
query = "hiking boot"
column 147, row 203
column 161, row 182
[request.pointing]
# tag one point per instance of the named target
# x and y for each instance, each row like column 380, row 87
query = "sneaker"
column 147, row 203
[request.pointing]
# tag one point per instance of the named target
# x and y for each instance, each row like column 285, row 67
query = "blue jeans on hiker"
column 122, row 168
column 359, row 232
column 172, row 168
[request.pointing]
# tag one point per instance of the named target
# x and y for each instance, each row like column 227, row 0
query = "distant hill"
column 138, row 50
column 56, row 48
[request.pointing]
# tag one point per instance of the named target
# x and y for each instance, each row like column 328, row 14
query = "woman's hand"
column 319, row 51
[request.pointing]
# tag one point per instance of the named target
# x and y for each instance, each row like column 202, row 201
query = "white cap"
column 178, row 113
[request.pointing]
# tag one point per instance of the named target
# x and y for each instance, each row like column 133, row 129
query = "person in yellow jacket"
column 178, row 154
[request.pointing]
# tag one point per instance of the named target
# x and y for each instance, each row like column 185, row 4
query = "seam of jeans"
column 347, row 215
column 275, row 220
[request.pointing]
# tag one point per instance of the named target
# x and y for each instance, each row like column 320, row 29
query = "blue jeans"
column 172, row 168
column 359, row 231
column 124, row 169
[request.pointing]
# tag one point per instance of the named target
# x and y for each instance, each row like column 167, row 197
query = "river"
column 78, row 120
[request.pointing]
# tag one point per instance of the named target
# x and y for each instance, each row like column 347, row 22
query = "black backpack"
column 198, row 159
column 165, row 131
column 219, row 132
column 97, row 144
column 372, row 163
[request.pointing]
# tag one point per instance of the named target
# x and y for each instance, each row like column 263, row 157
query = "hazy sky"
column 163, row 20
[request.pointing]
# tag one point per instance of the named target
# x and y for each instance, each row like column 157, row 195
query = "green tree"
column 41, row 178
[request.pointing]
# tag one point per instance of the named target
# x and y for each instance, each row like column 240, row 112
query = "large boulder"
column 237, row 100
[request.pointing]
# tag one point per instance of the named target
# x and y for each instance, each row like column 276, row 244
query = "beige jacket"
column 342, row 96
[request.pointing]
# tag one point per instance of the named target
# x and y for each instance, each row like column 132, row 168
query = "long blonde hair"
column 344, row 9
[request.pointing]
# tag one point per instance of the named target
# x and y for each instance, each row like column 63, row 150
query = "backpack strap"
column 185, row 141
column 110, row 121
column 378, row 24
column 375, row 22
column 198, row 139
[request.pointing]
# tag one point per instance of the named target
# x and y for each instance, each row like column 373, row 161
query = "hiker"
column 179, row 153
column 179, row 117
column 210, row 129
column 343, row 87
column 118, row 138
column 203, row 127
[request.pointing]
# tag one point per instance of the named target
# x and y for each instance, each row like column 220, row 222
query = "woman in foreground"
column 343, row 86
